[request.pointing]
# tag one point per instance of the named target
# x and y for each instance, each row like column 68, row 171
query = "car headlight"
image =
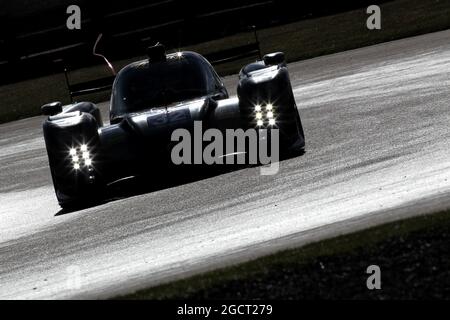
column 80, row 157
column 265, row 114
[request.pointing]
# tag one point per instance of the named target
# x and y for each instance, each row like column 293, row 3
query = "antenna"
column 94, row 52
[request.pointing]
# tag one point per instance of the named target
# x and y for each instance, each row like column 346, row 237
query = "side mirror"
column 273, row 59
column 50, row 109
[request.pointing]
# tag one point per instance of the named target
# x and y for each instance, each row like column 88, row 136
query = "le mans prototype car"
column 150, row 99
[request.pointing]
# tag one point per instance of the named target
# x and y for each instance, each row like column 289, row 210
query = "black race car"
column 152, row 98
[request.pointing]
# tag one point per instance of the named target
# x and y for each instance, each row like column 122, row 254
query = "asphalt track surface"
column 376, row 121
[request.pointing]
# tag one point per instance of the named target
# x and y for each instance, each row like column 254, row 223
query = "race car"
column 152, row 98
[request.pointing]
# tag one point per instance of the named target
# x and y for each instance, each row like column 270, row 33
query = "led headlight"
column 266, row 115
column 80, row 157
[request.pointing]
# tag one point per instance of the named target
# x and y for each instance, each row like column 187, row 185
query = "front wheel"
column 298, row 147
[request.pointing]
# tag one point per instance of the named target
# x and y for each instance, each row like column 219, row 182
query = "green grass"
column 344, row 256
column 299, row 40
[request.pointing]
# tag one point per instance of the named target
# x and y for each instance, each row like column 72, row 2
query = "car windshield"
column 148, row 85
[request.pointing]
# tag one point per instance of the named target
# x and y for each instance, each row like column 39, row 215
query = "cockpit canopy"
column 144, row 84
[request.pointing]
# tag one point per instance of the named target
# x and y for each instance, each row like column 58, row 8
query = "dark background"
column 34, row 40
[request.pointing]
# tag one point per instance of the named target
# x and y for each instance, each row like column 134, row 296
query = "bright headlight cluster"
column 80, row 156
column 265, row 114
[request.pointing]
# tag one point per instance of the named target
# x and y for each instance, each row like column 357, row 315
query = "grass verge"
column 413, row 254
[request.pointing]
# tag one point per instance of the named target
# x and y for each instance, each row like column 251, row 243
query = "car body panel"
column 142, row 119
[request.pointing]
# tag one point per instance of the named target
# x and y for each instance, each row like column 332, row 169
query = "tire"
column 298, row 148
